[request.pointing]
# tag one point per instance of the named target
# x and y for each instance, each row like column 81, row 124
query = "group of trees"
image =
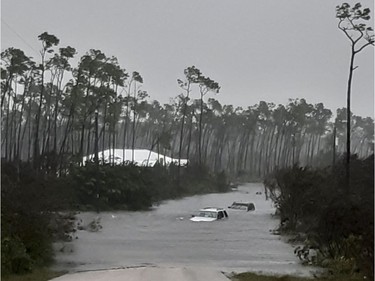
column 53, row 114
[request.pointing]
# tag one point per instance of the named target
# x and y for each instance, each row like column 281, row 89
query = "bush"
column 338, row 220
column 14, row 258
column 131, row 187
column 27, row 201
column 110, row 187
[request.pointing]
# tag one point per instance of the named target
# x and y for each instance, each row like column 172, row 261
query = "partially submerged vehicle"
column 209, row 214
column 233, row 186
column 246, row 206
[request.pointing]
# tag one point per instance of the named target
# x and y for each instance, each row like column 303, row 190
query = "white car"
column 210, row 214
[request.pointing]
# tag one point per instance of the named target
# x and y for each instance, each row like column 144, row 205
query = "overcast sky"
column 269, row 50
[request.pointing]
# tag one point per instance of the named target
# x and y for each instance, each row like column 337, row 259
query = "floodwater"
column 166, row 237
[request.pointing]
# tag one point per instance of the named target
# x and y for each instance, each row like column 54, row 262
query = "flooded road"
column 166, row 237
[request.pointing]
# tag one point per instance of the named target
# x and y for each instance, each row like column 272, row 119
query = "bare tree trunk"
column 7, row 129
column 88, row 145
column 189, row 137
column 20, row 120
column 11, row 129
column 36, row 153
column 114, row 142
column 250, row 136
column 200, row 132
column 103, row 132
column 277, row 150
column 133, row 129
column 351, row 69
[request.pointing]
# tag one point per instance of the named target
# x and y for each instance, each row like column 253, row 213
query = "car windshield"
column 207, row 214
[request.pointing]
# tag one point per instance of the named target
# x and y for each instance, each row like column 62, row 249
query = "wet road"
column 166, row 237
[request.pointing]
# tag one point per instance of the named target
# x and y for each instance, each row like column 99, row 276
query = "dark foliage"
column 27, row 205
column 338, row 221
column 131, row 187
column 31, row 202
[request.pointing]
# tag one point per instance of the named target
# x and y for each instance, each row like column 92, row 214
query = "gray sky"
column 269, row 50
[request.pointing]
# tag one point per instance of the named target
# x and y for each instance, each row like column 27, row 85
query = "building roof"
column 142, row 157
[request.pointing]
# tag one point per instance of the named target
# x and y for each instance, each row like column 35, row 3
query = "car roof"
column 241, row 203
column 212, row 209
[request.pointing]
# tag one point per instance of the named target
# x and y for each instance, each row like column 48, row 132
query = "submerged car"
column 210, row 214
column 247, row 206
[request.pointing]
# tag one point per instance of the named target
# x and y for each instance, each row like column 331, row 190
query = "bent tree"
column 192, row 75
column 205, row 85
column 48, row 42
column 351, row 23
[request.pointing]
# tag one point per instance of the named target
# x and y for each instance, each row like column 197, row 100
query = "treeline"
column 130, row 187
column 35, row 208
column 337, row 218
column 54, row 113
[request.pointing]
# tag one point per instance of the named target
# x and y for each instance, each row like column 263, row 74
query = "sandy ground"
column 148, row 274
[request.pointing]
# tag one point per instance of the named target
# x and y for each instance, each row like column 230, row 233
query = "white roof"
column 211, row 209
column 142, row 157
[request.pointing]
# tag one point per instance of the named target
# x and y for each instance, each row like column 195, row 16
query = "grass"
column 255, row 277
column 42, row 274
